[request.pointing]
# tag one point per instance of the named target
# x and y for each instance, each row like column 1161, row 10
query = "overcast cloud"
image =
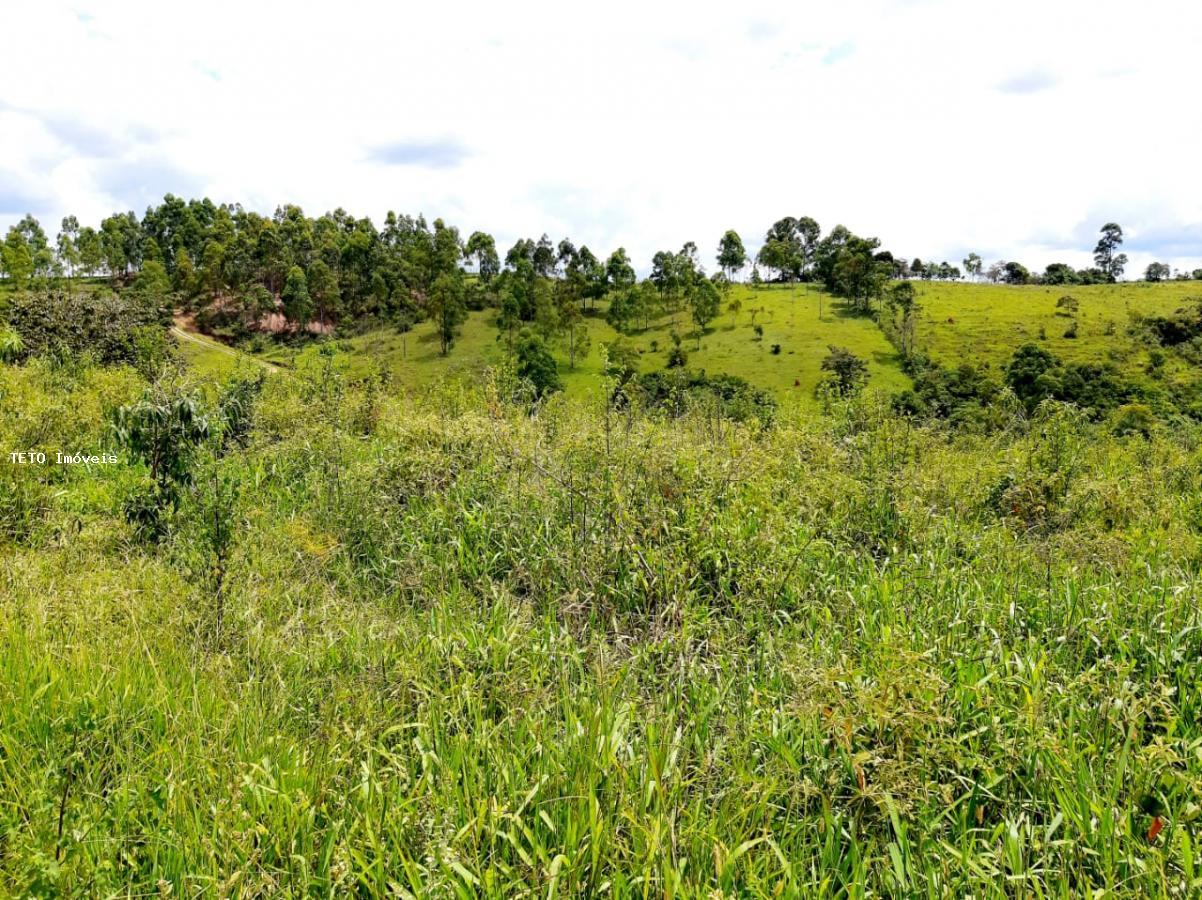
column 1014, row 129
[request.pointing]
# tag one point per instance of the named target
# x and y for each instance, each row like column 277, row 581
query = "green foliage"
column 16, row 259
column 163, row 431
column 447, row 308
column 704, row 304
column 1157, row 271
column 856, row 272
column 678, row 391
column 904, row 306
column 846, row 373
column 1133, row 418
column 1108, row 261
column 105, row 325
column 961, row 395
column 235, row 407
column 1061, row 273
column 1035, row 375
column 622, row 360
column 1015, row 273
column 152, row 282
column 1067, row 305
column 732, row 256
column 624, row 309
column 1181, row 327
column 11, row 345
column 536, row 365
column 298, row 305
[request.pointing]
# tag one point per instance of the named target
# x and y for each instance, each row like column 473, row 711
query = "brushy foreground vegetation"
column 448, row 645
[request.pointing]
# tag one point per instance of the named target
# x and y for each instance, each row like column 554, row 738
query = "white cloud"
column 1014, row 129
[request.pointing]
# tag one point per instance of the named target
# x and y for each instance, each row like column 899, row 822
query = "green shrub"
column 536, row 365
column 1133, row 418
column 846, row 373
column 1035, row 375
column 679, row 390
column 960, row 394
column 105, row 325
column 163, row 432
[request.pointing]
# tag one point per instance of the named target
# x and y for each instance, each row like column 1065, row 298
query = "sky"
column 1013, row 129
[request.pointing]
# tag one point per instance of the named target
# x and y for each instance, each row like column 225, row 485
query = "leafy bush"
column 536, row 365
column 162, row 432
column 622, row 360
column 847, row 373
column 678, row 390
column 1035, row 375
column 1182, row 327
column 102, row 324
column 960, row 394
column 1067, row 306
column 11, row 345
column 1133, row 418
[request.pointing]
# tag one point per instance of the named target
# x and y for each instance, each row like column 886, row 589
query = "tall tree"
column 482, row 249
column 536, row 365
column 68, row 245
column 212, row 268
column 91, row 253
column 1157, row 271
column 972, row 265
column 323, row 290
column 1110, row 262
column 857, row 274
column 184, row 276
column 619, row 273
column 572, row 324
column 40, row 255
column 567, row 256
column 704, row 304
column 544, row 257
column 298, row 305
column 16, row 258
column 903, row 301
column 732, row 256
column 446, row 308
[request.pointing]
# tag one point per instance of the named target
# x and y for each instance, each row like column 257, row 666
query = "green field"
column 789, row 316
column 984, row 323
column 959, row 322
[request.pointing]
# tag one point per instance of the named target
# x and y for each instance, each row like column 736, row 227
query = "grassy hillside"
column 439, row 646
column 984, row 323
column 790, row 317
column 959, row 322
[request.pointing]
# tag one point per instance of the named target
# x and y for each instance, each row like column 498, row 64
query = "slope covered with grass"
column 984, row 323
column 800, row 319
column 958, row 322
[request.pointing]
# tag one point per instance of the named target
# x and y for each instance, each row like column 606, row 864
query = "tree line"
column 236, row 267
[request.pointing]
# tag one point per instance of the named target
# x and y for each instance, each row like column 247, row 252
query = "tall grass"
column 467, row 650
